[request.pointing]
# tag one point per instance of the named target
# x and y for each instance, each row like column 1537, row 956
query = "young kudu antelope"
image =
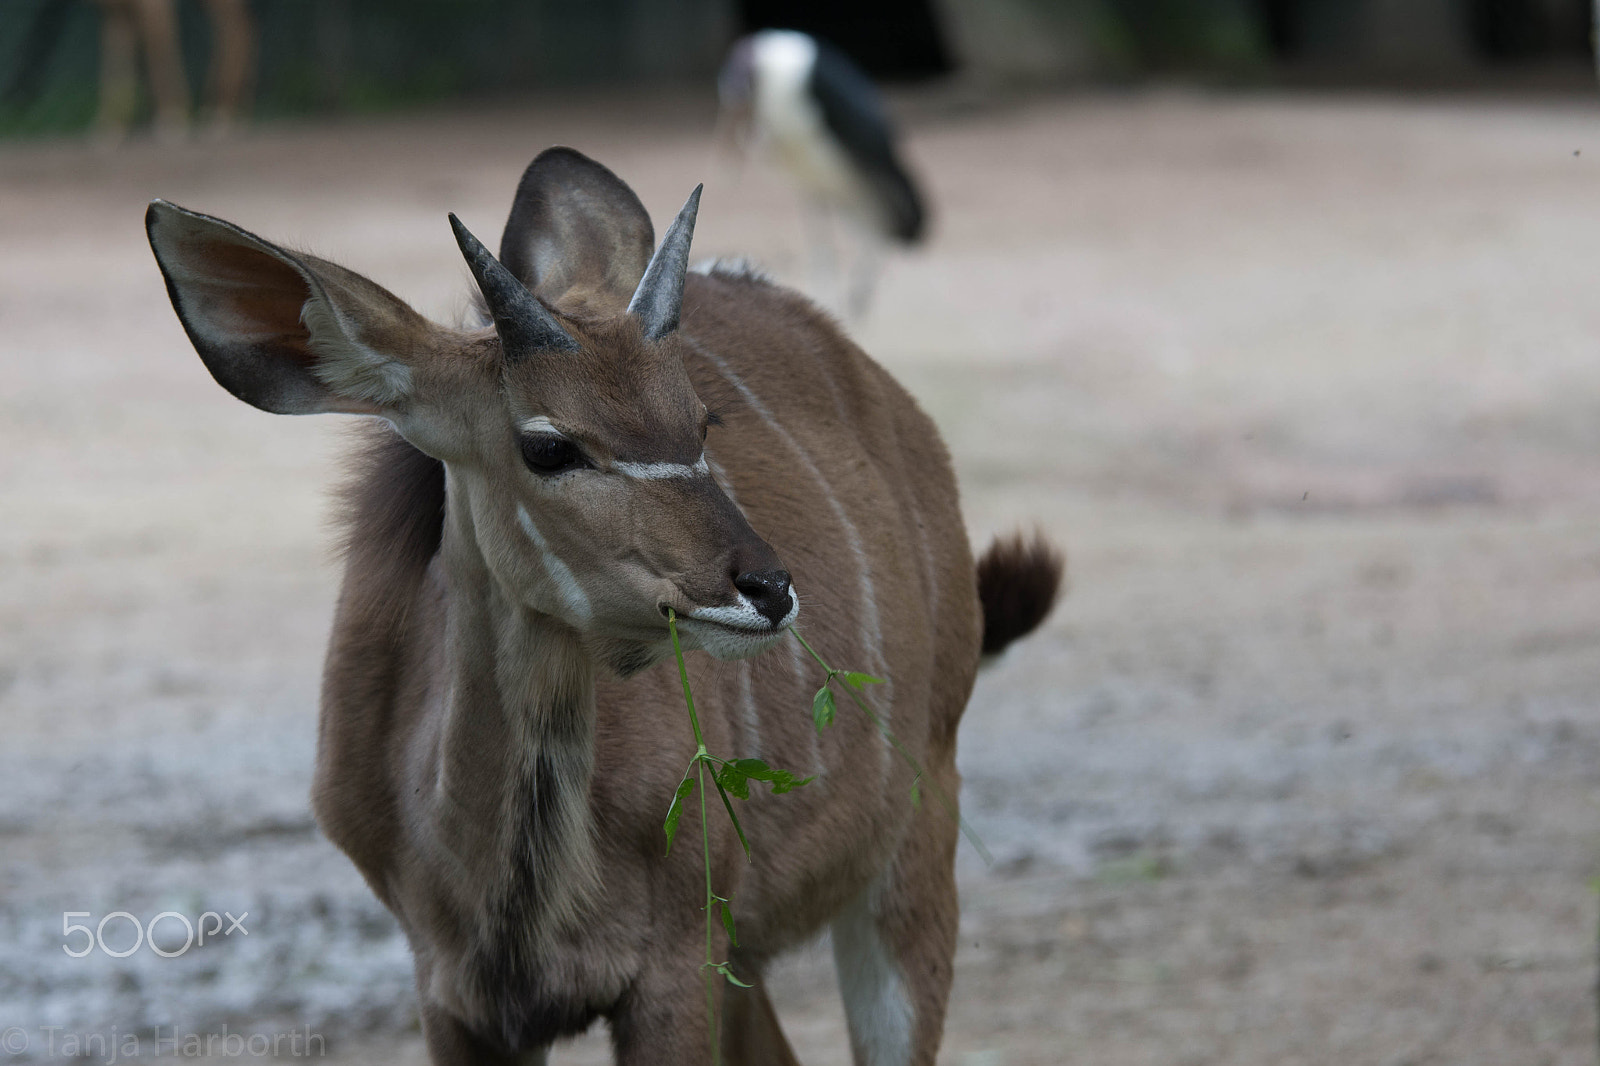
column 501, row 732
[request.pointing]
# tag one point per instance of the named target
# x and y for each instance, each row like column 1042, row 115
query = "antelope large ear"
column 577, row 237
column 288, row 333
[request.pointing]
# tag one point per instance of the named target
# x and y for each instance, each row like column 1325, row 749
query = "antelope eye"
column 548, row 455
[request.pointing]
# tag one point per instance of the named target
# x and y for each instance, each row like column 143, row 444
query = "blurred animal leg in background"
column 163, row 64
column 863, row 278
column 24, row 83
column 119, row 72
column 233, row 63
column 125, row 26
column 822, row 252
column 729, row 147
column 845, row 256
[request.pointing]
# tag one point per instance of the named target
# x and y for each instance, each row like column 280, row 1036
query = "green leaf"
column 727, row 923
column 784, row 781
column 823, row 708
column 858, row 679
column 722, row 968
column 734, row 780
column 746, row 770
column 916, row 793
column 675, row 811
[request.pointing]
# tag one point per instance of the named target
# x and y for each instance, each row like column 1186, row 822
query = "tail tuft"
column 1018, row 579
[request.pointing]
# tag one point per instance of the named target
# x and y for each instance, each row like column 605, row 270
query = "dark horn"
column 521, row 320
column 658, row 301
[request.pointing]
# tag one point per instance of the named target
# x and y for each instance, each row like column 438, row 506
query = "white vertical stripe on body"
column 803, row 669
column 870, row 620
column 750, row 713
column 721, row 476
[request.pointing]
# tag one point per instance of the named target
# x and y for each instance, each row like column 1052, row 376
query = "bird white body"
column 818, row 119
column 788, row 123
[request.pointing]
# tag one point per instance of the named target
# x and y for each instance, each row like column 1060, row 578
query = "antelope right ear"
column 290, row 334
column 578, row 237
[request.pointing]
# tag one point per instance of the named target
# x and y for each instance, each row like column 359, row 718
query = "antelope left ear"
column 288, row 333
column 577, row 237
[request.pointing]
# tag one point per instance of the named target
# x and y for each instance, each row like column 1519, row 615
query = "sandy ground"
column 1306, row 768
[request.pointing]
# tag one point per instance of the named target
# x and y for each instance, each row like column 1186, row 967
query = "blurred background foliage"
column 353, row 56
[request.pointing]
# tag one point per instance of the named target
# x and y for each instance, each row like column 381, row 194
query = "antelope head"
column 573, row 440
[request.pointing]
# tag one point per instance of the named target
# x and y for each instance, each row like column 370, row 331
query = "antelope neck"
column 516, row 746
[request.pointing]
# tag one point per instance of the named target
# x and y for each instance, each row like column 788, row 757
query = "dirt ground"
column 1305, row 770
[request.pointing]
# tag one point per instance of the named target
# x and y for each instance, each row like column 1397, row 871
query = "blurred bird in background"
column 804, row 106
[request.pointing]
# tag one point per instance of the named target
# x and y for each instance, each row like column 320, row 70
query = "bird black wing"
column 854, row 113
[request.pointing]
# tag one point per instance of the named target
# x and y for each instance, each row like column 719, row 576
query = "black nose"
column 768, row 590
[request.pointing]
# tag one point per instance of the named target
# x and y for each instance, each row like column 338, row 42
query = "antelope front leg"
column 751, row 1035
column 894, row 946
column 661, row 1019
column 450, row 1043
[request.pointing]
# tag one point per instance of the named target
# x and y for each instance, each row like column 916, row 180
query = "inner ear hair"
column 577, row 236
column 282, row 331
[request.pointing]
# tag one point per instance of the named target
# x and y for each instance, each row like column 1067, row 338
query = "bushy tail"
column 1018, row 578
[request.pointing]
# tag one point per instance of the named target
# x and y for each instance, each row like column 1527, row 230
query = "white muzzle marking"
column 743, row 615
column 738, row 631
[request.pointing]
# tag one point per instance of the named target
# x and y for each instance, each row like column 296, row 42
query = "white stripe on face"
column 662, row 471
column 539, row 424
column 561, row 576
column 637, row 471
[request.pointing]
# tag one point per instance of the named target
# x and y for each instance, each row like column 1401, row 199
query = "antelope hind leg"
column 894, row 946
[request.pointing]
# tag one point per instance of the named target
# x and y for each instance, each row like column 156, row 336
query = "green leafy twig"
column 823, row 708
column 731, row 778
column 728, row 776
